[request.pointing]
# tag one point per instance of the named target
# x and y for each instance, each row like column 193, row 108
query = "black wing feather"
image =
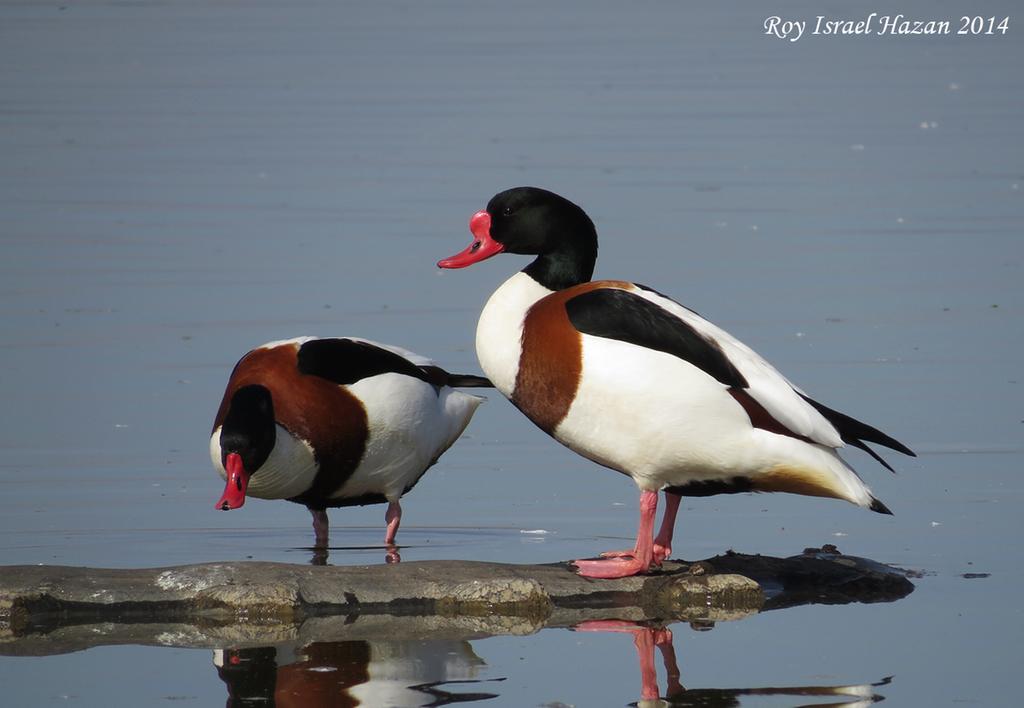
column 620, row 314
column 444, row 378
column 345, row 361
column 855, row 433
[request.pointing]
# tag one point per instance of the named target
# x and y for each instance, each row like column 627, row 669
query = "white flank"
column 410, row 425
column 666, row 422
column 655, row 416
column 397, row 670
column 769, row 387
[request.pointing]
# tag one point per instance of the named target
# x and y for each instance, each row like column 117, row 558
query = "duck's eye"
column 507, row 211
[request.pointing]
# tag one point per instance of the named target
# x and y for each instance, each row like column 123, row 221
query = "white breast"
column 288, row 472
column 500, row 329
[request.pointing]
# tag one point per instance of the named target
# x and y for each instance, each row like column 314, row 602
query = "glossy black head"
column 534, row 221
column 249, row 428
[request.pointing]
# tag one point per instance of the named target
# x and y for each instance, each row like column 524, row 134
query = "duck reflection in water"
column 351, row 673
column 646, row 638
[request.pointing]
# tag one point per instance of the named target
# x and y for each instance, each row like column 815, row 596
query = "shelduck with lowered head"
column 634, row 381
column 335, row 422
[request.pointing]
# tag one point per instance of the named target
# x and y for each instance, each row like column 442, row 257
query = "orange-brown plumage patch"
column 796, row 480
column 327, row 416
column 552, row 357
column 349, row 663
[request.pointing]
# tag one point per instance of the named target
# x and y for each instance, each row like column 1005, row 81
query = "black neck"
column 570, row 264
column 249, row 427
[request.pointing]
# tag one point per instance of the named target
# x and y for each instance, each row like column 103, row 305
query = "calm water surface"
column 181, row 181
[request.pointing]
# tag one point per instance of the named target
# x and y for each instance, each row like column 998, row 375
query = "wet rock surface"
column 52, row 609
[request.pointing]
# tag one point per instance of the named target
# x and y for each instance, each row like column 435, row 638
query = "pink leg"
column 637, row 562
column 663, row 543
column 644, row 639
column 663, row 640
column 320, row 527
column 393, row 517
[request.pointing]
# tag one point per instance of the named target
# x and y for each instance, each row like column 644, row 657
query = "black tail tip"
column 877, row 505
column 469, row 381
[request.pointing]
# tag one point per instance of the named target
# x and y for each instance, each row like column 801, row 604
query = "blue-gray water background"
column 183, row 180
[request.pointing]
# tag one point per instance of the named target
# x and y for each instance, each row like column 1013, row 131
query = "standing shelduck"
column 636, row 382
column 335, row 422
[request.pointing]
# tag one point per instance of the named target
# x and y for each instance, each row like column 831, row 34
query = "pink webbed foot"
column 625, row 564
column 608, row 625
column 617, row 567
column 661, row 553
column 619, row 554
